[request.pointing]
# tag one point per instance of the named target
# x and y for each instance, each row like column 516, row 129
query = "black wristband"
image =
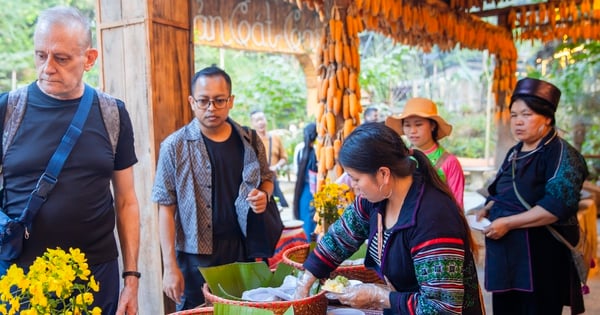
column 131, row 274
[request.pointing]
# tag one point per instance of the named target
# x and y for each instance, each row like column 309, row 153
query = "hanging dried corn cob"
column 339, row 106
column 557, row 21
column 315, row 5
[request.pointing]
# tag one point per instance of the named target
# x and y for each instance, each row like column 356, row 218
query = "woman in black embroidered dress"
column 527, row 270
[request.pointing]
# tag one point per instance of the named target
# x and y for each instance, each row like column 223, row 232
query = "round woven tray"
column 295, row 256
column 196, row 311
column 312, row 305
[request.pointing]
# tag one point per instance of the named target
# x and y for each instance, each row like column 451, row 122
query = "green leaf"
column 280, row 273
column 223, row 293
column 231, row 280
column 360, row 253
column 235, row 278
column 226, row 309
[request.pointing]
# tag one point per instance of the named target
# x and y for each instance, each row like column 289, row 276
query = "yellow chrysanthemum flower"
column 93, row 284
column 330, row 203
column 55, row 284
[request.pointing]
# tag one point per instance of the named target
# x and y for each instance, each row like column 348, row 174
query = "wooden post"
column 146, row 60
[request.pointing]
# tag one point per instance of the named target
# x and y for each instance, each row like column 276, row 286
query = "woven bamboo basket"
column 295, row 256
column 196, row 311
column 312, row 305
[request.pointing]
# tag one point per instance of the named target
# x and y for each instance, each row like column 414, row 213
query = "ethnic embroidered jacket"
column 427, row 258
column 550, row 176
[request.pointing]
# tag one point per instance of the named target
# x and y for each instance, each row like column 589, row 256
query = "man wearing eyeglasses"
column 209, row 176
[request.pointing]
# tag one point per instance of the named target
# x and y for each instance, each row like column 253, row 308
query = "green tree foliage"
column 468, row 133
column 575, row 69
column 384, row 65
column 272, row 83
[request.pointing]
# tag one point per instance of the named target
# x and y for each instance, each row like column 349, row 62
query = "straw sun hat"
column 420, row 107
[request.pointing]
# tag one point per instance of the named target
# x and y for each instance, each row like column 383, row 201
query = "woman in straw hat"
column 423, row 127
column 527, row 269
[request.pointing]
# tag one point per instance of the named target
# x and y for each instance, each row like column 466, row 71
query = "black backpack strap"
column 3, row 105
column 15, row 110
column 110, row 115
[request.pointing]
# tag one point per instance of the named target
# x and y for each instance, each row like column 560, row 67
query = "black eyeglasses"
column 218, row 103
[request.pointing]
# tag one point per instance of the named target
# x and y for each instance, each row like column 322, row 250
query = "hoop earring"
column 388, row 195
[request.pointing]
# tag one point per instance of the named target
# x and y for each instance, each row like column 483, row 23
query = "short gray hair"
column 66, row 16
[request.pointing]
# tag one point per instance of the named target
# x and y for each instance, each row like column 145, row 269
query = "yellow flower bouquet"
column 58, row 282
column 330, row 203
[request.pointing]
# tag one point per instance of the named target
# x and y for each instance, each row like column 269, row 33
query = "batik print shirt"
column 183, row 178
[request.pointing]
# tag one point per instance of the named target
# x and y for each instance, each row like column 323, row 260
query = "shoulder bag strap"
column 270, row 149
column 441, row 160
column 552, row 230
column 50, row 176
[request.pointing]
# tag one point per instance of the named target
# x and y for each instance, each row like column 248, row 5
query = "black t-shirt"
column 79, row 211
column 226, row 159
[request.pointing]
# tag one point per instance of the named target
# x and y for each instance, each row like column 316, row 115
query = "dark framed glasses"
column 218, row 103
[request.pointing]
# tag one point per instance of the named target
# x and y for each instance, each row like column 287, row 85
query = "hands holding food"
column 361, row 295
column 336, row 285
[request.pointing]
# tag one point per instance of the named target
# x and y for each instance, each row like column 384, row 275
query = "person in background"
column 80, row 211
column 371, row 115
column 306, row 181
column 424, row 128
column 209, row 179
column 276, row 154
column 547, row 173
column 418, row 237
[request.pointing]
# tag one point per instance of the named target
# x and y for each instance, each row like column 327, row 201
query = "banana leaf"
column 231, row 280
column 227, row 309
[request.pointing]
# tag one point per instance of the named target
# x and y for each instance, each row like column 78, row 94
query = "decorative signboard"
column 259, row 25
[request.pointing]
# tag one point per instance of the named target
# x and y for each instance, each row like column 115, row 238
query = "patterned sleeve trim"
column 439, row 268
column 410, row 304
column 456, row 241
column 344, row 238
